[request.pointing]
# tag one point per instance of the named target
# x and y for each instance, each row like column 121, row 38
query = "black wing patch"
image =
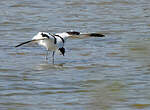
column 45, row 35
column 28, row 42
column 23, row 43
column 96, row 35
column 55, row 40
column 61, row 38
column 73, row 33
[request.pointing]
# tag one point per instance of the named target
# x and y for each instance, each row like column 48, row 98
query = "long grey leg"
column 47, row 53
column 53, row 56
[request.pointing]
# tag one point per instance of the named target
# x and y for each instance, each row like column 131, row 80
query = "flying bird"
column 54, row 42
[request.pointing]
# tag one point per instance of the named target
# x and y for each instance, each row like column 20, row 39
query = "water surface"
column 110, row 73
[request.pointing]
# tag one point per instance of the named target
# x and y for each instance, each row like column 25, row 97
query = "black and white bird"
column 55, row 42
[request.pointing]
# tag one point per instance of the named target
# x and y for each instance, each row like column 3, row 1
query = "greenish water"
column 111, row 73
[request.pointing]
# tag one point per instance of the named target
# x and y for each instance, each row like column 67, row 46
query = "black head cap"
column 62, row 50
column 73, row 33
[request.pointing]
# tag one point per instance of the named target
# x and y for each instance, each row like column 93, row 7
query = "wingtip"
column 17, row 46
column 96, row 35
column 23, row 43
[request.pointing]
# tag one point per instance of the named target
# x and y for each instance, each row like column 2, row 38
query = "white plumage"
column 53, row 42
column 50, row 41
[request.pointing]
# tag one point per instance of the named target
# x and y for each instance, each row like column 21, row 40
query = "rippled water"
column 111, row 73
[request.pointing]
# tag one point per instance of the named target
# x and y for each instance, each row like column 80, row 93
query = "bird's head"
column 62, row 50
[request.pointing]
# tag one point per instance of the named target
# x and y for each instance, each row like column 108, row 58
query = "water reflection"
column 108, row 95
column 48, row 66
column 139, row 50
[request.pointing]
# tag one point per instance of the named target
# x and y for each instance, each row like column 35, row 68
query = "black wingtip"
column 23, row 43
column 96, row 35
column 18, row 45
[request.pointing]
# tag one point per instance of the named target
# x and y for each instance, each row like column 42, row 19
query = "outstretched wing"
column 76, row 34
column 28, row 42
column 93, row 34
column 41, row 36
column 60, row 38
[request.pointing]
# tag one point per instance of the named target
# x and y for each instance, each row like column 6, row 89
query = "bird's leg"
column 47, row 53
column 53, row 56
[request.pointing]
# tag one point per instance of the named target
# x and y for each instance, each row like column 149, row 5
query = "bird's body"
column 49, row 41
column 52, row 42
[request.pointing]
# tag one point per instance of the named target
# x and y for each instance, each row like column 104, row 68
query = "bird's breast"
column 47, row 44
